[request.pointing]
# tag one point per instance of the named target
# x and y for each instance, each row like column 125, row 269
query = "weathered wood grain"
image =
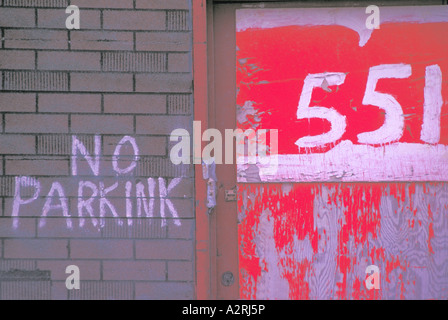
column 315, row 241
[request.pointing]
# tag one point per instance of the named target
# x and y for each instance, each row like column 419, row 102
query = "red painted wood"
column 315, row 240
column 273, row 63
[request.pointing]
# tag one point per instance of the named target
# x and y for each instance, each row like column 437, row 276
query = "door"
column 355, row 205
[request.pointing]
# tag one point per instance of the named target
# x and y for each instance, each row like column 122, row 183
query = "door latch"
column 209, row 174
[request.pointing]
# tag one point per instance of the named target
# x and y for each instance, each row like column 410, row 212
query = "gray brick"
column 17, row 102
column 163, row 41
column 70, row 103
column 164, row 291
column 36, row 39
column 16, row 17
column 162, row 4
column 25, row 290
column 15, row 59
column 178, row 20
column 109, row 82
column 35, row 81
column 175, row 83
column 134, row 61
column 105, row 4
column 36, row 3
column 36, row 123
column 104, row 290
column 164, row 249
column 101, row 249
column 106, row 124
column 37, row 249
column 62, row 60
column 17, row 144
column 134, row 103
column 101, row 40
column 134, row 20
column 134, row 270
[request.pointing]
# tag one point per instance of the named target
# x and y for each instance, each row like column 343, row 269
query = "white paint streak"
column 433, row 105
column 349, row 162
column 392, row 129
column 128, row 188
column 352, row 18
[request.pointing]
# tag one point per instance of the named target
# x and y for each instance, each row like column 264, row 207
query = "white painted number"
column 393, row 126
column 433, row 105
column 338, row 123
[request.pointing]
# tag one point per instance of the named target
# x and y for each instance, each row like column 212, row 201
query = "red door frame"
column 200, row 96
column 212, row 261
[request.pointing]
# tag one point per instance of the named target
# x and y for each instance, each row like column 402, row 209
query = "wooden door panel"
column 335, row 207
column 314, row 241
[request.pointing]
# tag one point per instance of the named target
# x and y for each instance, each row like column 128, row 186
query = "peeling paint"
column 325, row 235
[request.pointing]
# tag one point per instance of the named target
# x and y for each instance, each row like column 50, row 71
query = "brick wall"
column 125, row 73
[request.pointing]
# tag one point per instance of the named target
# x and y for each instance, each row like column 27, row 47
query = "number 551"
column 393, row 126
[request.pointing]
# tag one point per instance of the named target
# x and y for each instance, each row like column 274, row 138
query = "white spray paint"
column 56, row 187
column 92, row 197
column 128, row 202
column 116, row 155
column 18, row 201
column 87, row 204
column 93, row 163
column 353, row 162
column 393, row 126
column 433, row 105
column 86, row 201
column 163, row 191
column 141, row 203
column 304, row 111
column 104, row 202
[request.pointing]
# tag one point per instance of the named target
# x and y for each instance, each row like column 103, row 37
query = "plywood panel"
column 314, row 241
column 348, row 190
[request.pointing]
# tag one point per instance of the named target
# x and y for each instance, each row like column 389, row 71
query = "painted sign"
column 350, row 103
column 353, row 106
column 97, row 199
